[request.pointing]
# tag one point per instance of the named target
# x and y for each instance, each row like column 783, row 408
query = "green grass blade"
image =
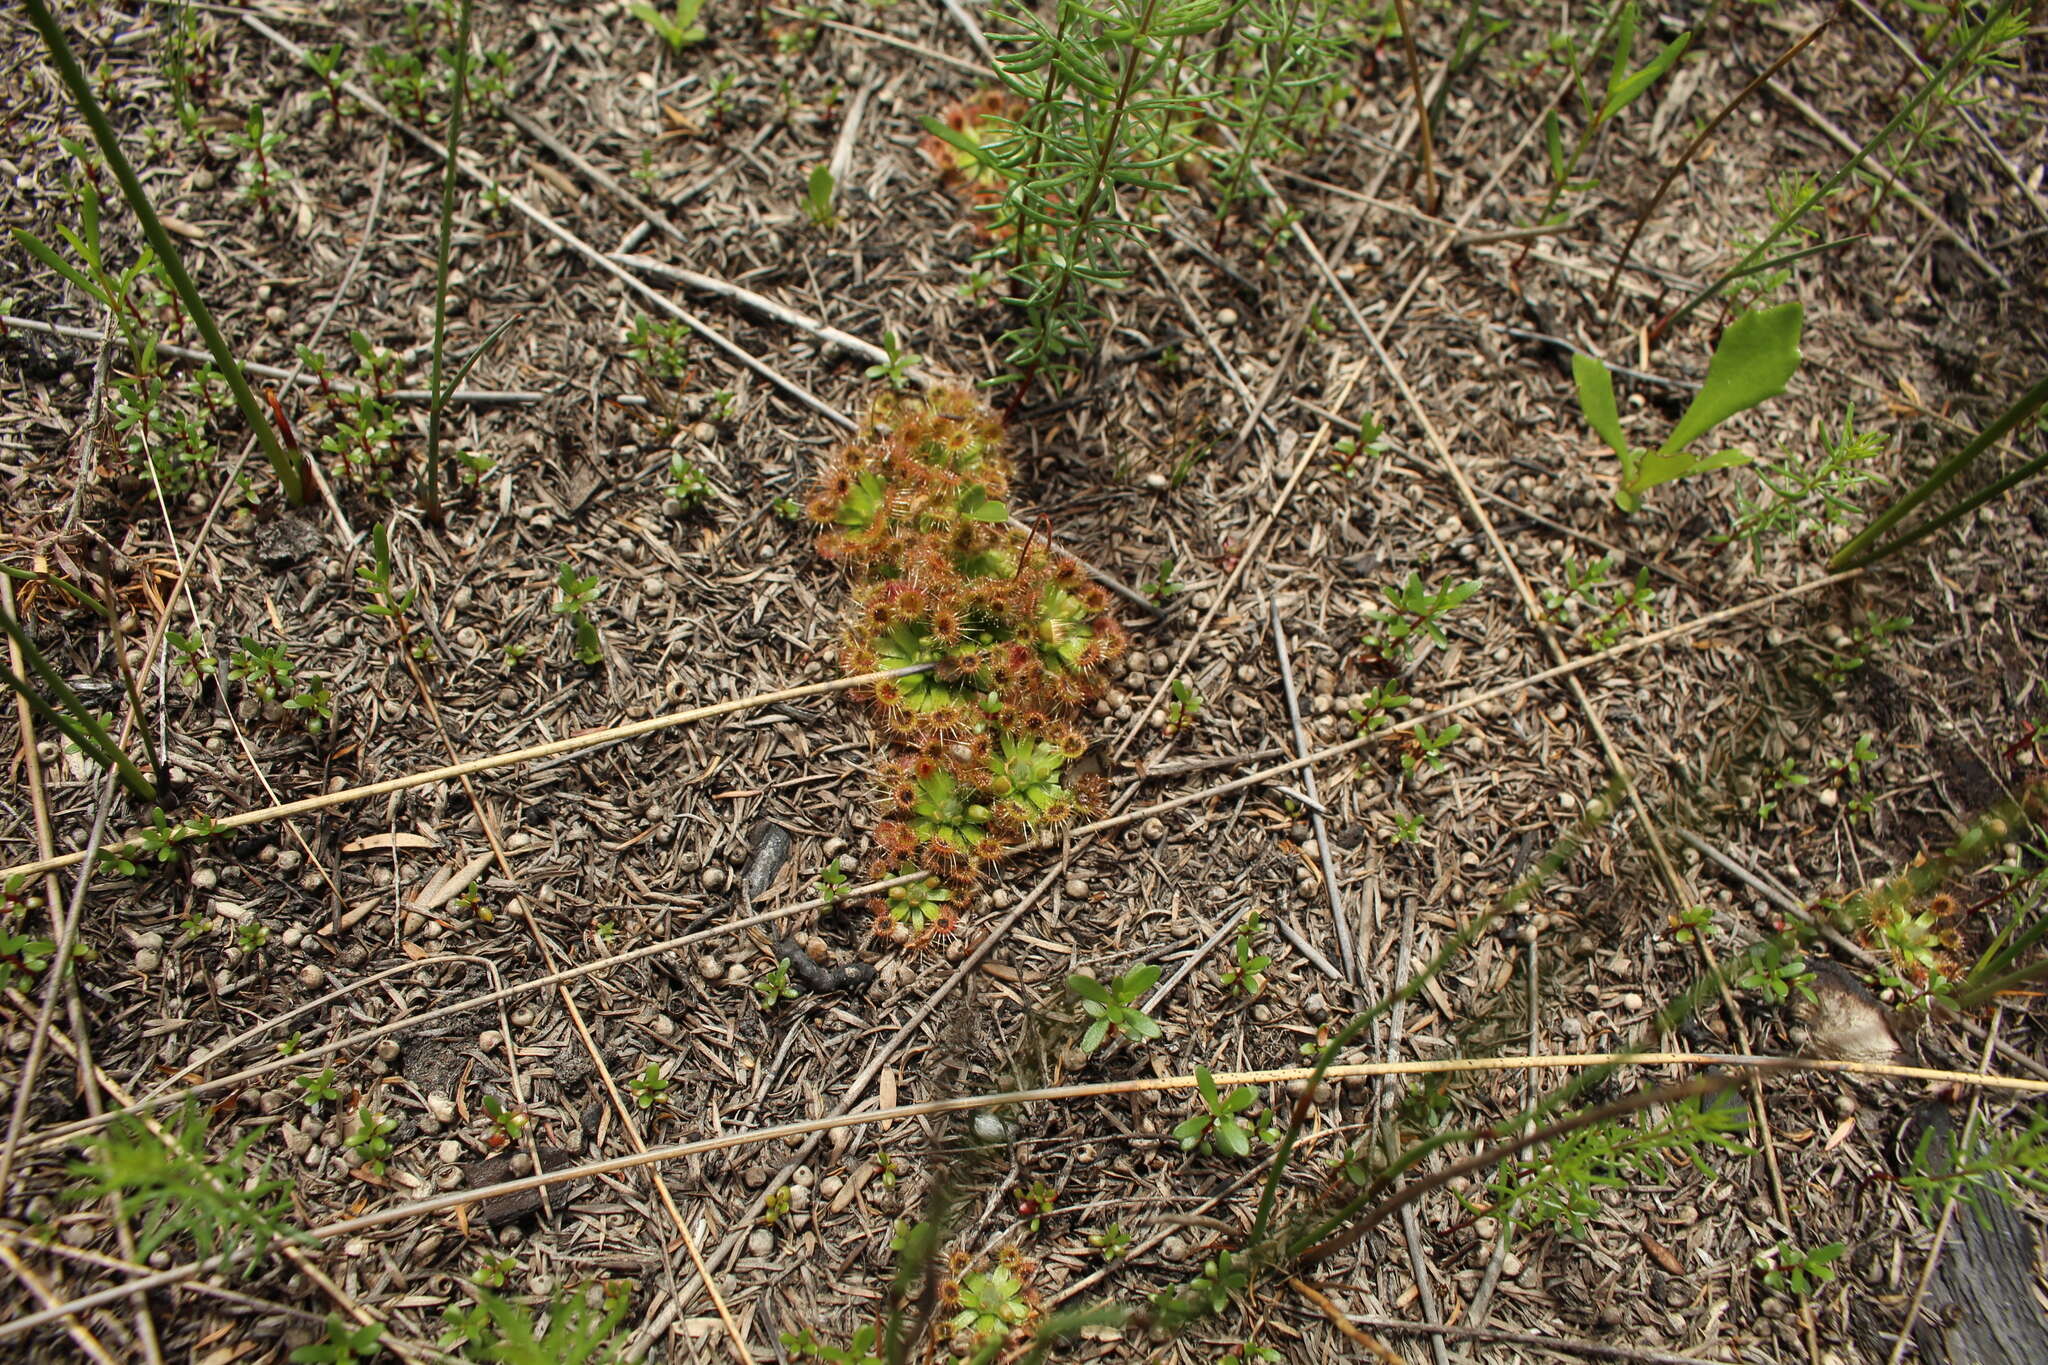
column 430, row 482
column 286, row 468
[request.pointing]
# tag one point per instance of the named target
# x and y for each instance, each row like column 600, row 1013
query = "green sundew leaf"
column 1231, row 1137
column 1621, row 96
column 1596, row 400
column 1752, row 363
column 977, row 505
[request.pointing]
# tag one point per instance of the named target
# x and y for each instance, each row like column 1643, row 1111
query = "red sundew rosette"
column 913, row 507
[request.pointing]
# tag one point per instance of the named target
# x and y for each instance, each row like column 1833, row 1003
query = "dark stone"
column 284, row 541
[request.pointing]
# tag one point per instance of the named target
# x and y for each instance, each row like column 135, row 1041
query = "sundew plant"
column 1013, row 633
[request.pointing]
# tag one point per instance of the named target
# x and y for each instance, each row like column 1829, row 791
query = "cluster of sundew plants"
column 914, row 506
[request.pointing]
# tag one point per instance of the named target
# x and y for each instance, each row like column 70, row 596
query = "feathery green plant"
column 1103, row 86
column 227, row 1207
column 284, row 465
column 1276, row 81
column 1866, row 548
column 567, row 1330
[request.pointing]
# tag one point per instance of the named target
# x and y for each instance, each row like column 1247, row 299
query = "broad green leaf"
column 1662, row 467
column 1596, row 400
column 1231, row 1138
column 1757, row 355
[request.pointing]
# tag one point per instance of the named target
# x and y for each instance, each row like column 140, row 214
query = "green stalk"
column 430, row 483
column 286, row 469
column 76, row 719
column 1934, row 83
column 1858, row 552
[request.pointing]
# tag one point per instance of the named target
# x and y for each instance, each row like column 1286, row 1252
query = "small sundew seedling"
column 1753, row 362
column 1775, row 974
column 1408, row 828
column 1246, row 971
column 1111, row 1242
column 318, row 1089
column 1787, row 1269
column 1185, row 708
column 660, row 348
column 774, row 987
column 679, row 27
column 510, row 1123
column 252, row 936
column 688, row 486
column 775, row 1207
column 817, row 198
column 1113, row 1008
column 1219, row 1125
column 371, row 1139
column 1413, row 608
column 650, row 1087
column 895, row 369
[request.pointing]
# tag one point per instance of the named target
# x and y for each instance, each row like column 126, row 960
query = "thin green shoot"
column 1865, row 548
column 451, row 170
column 285, row 466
